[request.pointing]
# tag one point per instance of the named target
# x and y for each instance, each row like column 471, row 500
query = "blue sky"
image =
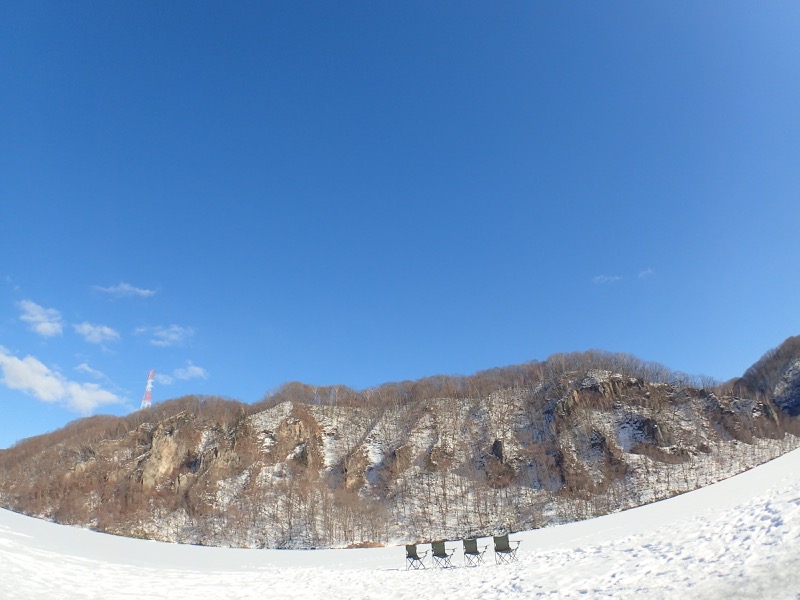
column 243, row 194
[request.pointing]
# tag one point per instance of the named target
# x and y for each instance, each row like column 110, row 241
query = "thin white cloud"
column 646, row 273
column 85, row 397
column 87, row 370
column 174, row 335
column 191, row 371
column 43, row 321
column 33, row 377
column 10, row 282
column 96, row 334
column 604, row 279
column 164, row 379
column 123, row 289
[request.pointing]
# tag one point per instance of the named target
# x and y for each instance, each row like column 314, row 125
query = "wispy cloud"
column 191, row 371
column 646, row 273
column 85, row 397
column 10, row 282
column 123, row 289
column 87, row 370
column 33, row 377
column 30, row 376
column 174, row 335
column 604, row 279
column 44, row 321
column 96, row 334
column 164, row 379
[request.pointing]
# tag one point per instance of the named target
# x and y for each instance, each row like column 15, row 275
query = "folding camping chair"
column 473, row 556
column 441, row 557
column 503, row 552
column 413, row 559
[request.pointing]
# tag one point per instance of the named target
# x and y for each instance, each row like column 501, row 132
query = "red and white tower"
column 148, row 390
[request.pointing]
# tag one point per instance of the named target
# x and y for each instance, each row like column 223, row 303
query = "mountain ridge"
column 512, row 448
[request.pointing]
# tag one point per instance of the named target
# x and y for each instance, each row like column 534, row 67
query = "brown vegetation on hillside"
column 446, row 456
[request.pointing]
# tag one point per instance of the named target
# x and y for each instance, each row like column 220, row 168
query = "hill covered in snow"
column 737, row 539
column 511, row 449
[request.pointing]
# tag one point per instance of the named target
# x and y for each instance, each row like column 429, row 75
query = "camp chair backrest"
column 411, row 551
column 438, row 549
column 501, row 543
column 471, row 546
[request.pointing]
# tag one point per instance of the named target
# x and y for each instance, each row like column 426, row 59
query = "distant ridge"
column 507, row 449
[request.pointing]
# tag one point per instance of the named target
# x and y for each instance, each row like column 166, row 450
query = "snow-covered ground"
column 736, row 539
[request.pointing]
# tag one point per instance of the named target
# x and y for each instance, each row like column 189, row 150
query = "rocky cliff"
column 445, row 457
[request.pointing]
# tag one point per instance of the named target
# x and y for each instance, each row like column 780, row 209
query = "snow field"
column 739, row 538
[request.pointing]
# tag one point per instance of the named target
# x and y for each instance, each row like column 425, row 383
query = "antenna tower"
column 148, row 390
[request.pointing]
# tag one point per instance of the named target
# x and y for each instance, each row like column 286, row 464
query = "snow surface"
column 739, row 538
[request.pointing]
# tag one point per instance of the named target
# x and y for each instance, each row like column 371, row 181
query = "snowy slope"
column 736, row 539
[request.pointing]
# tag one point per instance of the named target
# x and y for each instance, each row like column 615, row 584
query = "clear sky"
column 241, row 194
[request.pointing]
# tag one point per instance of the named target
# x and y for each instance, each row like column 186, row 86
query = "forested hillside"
column 511, row 448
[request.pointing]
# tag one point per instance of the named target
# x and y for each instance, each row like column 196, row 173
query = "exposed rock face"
column 786, row 393
column 512, row 448
column 776, row 375
column 163, row 458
